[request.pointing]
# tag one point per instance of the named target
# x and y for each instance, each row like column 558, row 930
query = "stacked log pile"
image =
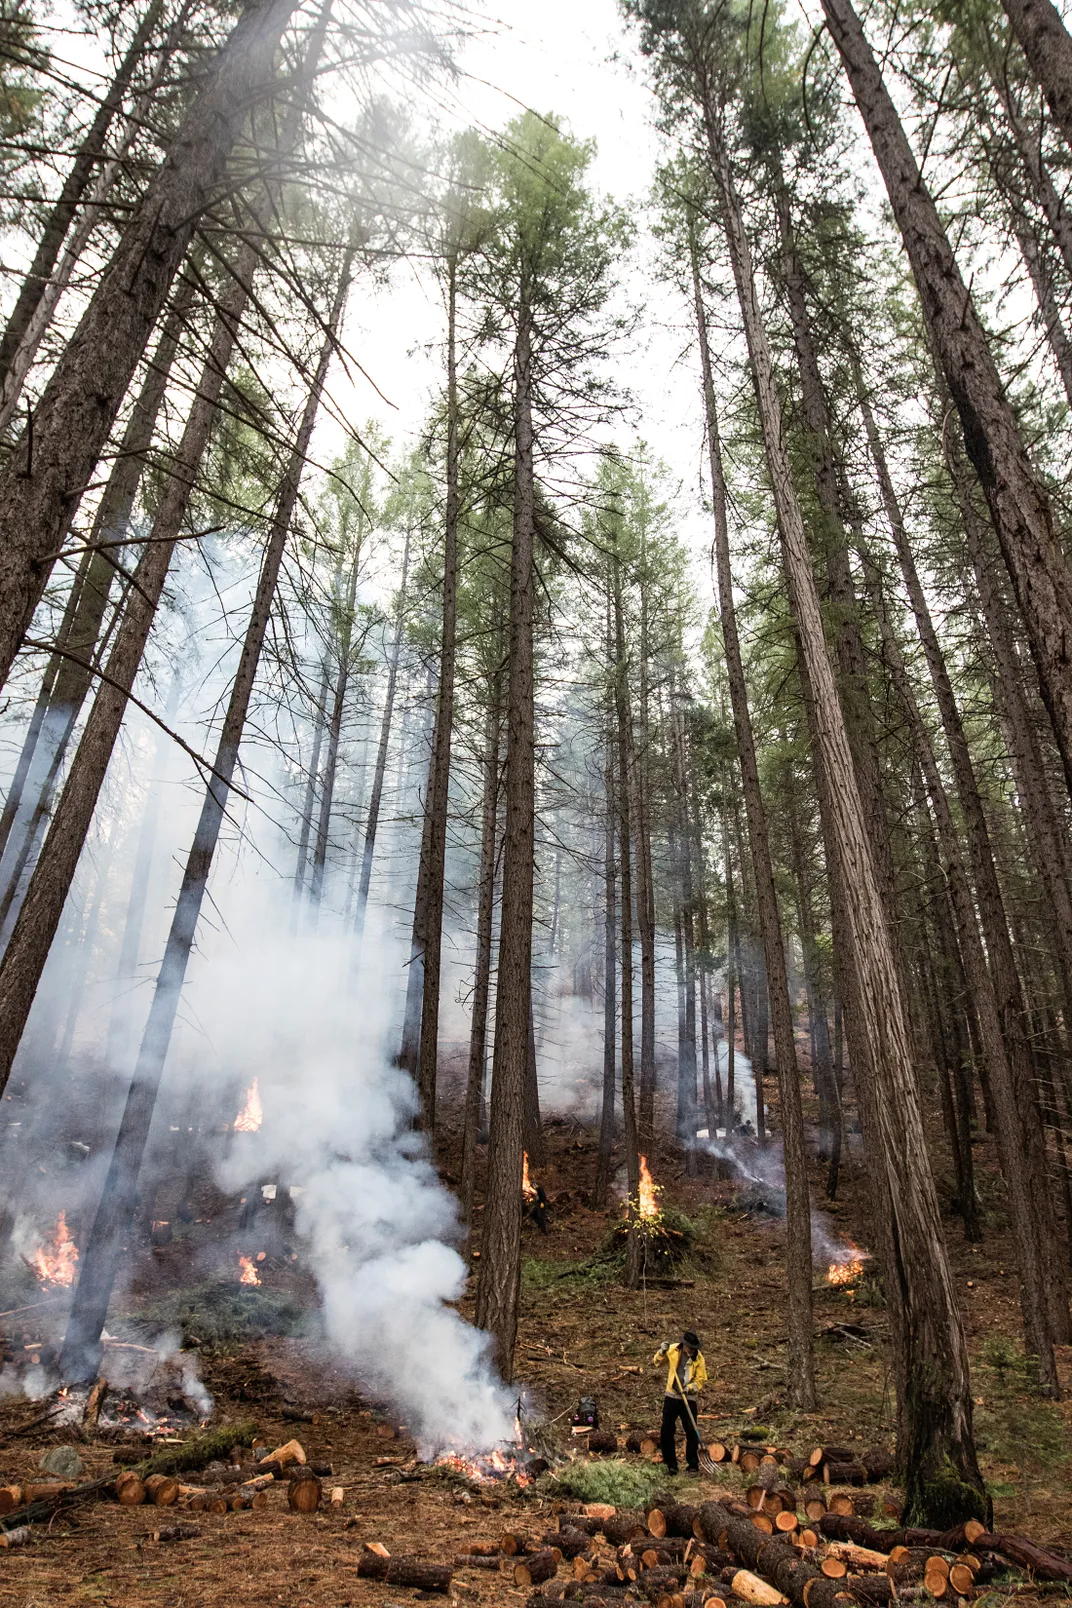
column 721, row 1553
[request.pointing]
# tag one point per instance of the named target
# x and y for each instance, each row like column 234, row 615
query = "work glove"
column 664, row 1345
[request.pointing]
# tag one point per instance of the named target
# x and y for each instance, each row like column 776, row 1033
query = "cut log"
column 649, row 1446
column 879, row 1464
column 873, row 1590
column 94, row 1402
column 570, row 1541
column 755, row 1496
column 815, row 1507
column 858, row 1557
column 750, row 1588
column 833, row 1568
column 840, row 1503
column 161, row 1489
column 844, row 1474
column 863, row 1504
column 833, row 1454
column 536, row 1568
column 822, row 1593
column 46, row 1490
column 786, row 1521
column 405, row 1572
column 936, row 1582
column 377, row 1548
column 218, row 1504
column 259, row 1499
column 599, row 1510
column 749, row 1460
column 15, row 1538
column 603, row 1441
column 962, row 1579
column 338, row 1496
column 676, row 1518
column 291, row 1451
column 717, row 1452
column 512, row 1544
column 490, row 1549
column 763, row 1524
column 624, row 1527
column 303, row 1496
column 807, row 1538
column 466, row 1560
column 10, row 1497
column 176, row 1532
column 129, row 1489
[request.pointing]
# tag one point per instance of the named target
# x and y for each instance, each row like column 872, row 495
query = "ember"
column 528, row 1188
column 249, row 1120
column 648, row 1192
column 849, row 1267
column 248, row 1273
column 54, row 1264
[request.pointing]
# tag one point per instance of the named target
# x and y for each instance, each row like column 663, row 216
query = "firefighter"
column 685, row 1378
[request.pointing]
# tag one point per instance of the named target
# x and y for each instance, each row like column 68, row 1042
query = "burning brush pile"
column 667, row 1236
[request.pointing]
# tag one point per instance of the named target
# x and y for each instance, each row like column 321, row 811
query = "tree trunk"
column 81, row 1353
column 645, row 887
column 372, row 822
column 313, row 776
column 74, row 185
column 605, row 1151
column 478, row 1031
column 338, row 705
column 1032, row 1269
column 119, row 1026
column 938, row 1448
column 500, row 1266
column 71, row 677
column 420, row 1048
column 1045, row 42
column 800, row 1371
column 1019, row 507
column 1022, row 1105
column 626, row 767
column 42, row 908
column 51, row 465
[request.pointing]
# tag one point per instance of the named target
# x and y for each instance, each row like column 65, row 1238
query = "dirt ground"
column 581, row 1332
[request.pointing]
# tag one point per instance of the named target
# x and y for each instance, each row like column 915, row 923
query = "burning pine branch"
column 54, row 1264
column 251, row 1115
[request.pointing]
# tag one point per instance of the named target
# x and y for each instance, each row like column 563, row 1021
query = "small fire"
column 495, row 1465
column 528, row 1188
column 648, row 1192
column 251, row 1115
column 848, row 1268
column 54, row 1264
column 248, row 1274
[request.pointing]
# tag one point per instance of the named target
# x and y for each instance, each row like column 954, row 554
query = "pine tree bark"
column 626, row 767
column 311, row 780
column 1019, row 507
column 1045, row 42
column 607, row 1124
column 74, row 186
column 27, row 950
column 937, row 1450
column 1022, row 1109
column 81, row 1352
column 800, row 1371
column 645, row 884
column 51, row 465
column 499, row 1286
column 478, row 1030
column 1032, row 1267
column 372, row 822
column 420, row 1039
column 334, row 730
column 81, row 637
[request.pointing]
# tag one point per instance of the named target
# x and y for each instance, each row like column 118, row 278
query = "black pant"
column 673, row 1409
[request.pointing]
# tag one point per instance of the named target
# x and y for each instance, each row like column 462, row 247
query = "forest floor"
column 581, row 1333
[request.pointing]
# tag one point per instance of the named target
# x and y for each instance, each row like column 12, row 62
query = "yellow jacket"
column 692, row 1374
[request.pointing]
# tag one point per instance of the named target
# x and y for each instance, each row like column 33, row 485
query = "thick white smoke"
column 376, row 1222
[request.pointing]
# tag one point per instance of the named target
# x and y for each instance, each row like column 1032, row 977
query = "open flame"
column 54, row 1264
column 528, row 1188
column 250, row 1117
column 487, row 1466
column 848, row 1267
column 648, row 1193
column 247, row 1271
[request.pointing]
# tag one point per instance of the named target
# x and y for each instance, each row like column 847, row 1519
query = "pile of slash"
column 761, row 1551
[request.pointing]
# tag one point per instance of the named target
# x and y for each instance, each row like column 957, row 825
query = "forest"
column 536, row 753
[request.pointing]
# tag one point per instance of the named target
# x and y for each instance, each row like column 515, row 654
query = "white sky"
column 572, row 58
